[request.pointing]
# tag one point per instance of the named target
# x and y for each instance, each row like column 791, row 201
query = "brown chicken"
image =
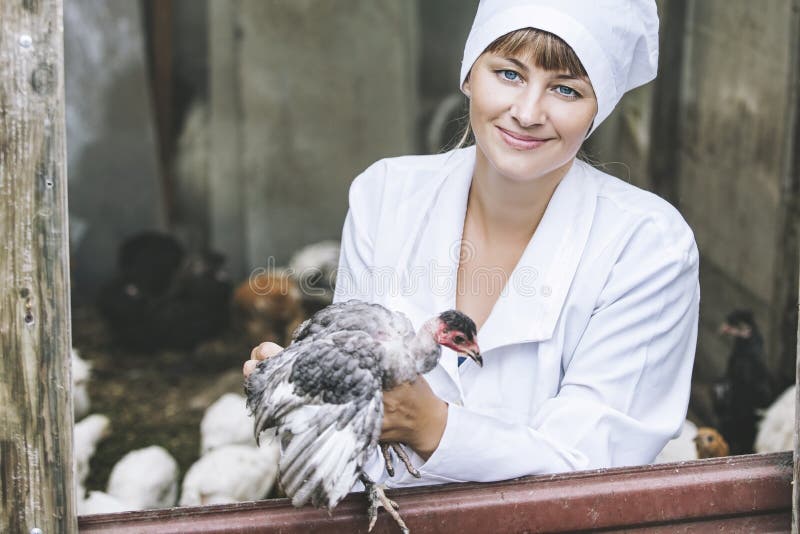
column 710, row 443
column 268, row 307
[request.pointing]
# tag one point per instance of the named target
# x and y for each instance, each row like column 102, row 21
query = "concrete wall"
column 305, row 94
column 444, row 26
column 112, row 167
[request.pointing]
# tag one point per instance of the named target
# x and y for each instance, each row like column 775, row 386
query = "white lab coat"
column 588, row 351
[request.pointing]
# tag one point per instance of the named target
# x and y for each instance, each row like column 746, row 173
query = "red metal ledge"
column 736, row 494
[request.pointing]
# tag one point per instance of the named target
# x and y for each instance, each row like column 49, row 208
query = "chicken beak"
column 474, row 353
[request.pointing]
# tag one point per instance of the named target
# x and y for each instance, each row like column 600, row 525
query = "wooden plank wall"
column 734, row 121
column 35, row 403
column 710, row 136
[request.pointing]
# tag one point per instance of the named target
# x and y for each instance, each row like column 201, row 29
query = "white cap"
column 615, row 40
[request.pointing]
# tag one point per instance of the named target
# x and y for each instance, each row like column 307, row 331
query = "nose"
column 528, row 108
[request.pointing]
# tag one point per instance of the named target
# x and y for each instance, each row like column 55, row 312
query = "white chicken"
column 231, row 473
column 87, row 434
column 226, row 422
column 680, row 449
column 315, row 266
column 144, row 479
column 98, row 502
column 81, row 370
column 776, row 429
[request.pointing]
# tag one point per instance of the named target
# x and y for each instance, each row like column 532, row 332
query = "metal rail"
column 735, row 494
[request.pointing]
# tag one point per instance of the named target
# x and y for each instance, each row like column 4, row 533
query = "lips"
column 521, row 142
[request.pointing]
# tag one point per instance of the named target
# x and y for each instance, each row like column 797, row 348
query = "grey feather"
column 324, row 395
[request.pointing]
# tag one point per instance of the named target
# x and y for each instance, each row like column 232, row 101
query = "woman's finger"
column 265, row 350
column 249, row 367
column 261, row 352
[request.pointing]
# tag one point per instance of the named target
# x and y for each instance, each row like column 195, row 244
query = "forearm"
column 426, row 440
column 567, row 434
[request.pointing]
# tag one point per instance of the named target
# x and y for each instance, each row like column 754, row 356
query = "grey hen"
column 324, row 394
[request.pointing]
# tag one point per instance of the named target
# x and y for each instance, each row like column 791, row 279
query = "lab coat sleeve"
column 355, row 275
column 625, row 387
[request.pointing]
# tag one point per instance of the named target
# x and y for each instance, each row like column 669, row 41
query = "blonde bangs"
column 546, row 50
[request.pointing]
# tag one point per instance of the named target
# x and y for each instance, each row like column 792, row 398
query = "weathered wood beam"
column 36, row 487
column 790, row 225
column 226, row 184
column 783, row 336
column 159, row 17
column 796, row 476
column 665, row 124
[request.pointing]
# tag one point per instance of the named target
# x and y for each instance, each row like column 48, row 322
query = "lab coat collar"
column 529, row 306
column 531, row 303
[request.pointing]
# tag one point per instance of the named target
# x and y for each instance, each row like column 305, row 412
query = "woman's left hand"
column 414, row 415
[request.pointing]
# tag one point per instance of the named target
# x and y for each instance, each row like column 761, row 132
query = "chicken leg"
column 401, row 453
column 378, row 499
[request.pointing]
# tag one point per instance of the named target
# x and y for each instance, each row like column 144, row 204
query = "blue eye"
column 567, row 91
column 509, row 75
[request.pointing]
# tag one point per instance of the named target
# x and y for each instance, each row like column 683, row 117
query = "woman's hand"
column 414, row 415
column 261, row 352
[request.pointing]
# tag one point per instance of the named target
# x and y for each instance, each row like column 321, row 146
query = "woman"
column 584, row 288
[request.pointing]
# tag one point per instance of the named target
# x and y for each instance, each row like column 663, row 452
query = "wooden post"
column 36, row 488
column 796, row 477
column 796, row 471
column 665, row 126
column 791, row 242
column 158, row 14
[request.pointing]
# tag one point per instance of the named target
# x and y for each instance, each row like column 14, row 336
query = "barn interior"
column 210, row 142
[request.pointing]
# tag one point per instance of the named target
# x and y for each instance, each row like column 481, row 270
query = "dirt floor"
column 153, row 398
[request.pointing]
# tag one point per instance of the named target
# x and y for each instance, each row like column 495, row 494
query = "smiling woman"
column 529, row 107
column 559, row 390
column 545, row 51
column 589, row 343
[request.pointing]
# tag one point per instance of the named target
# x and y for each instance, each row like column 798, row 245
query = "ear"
column 465, row 88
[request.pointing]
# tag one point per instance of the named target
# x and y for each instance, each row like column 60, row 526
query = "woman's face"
column 528, row 122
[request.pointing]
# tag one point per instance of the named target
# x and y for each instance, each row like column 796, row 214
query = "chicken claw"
column 387, row 458
column 401, row 453
column 378, row 499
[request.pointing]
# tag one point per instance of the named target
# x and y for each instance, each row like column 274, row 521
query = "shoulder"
column 403, row 174
column 639, row 219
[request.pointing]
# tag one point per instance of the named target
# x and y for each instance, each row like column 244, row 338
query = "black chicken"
column 323, row 394
column 161, row 297
column 746, row 386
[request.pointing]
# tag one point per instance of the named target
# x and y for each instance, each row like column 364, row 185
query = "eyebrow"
column 523, row 67
column 518, row 63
